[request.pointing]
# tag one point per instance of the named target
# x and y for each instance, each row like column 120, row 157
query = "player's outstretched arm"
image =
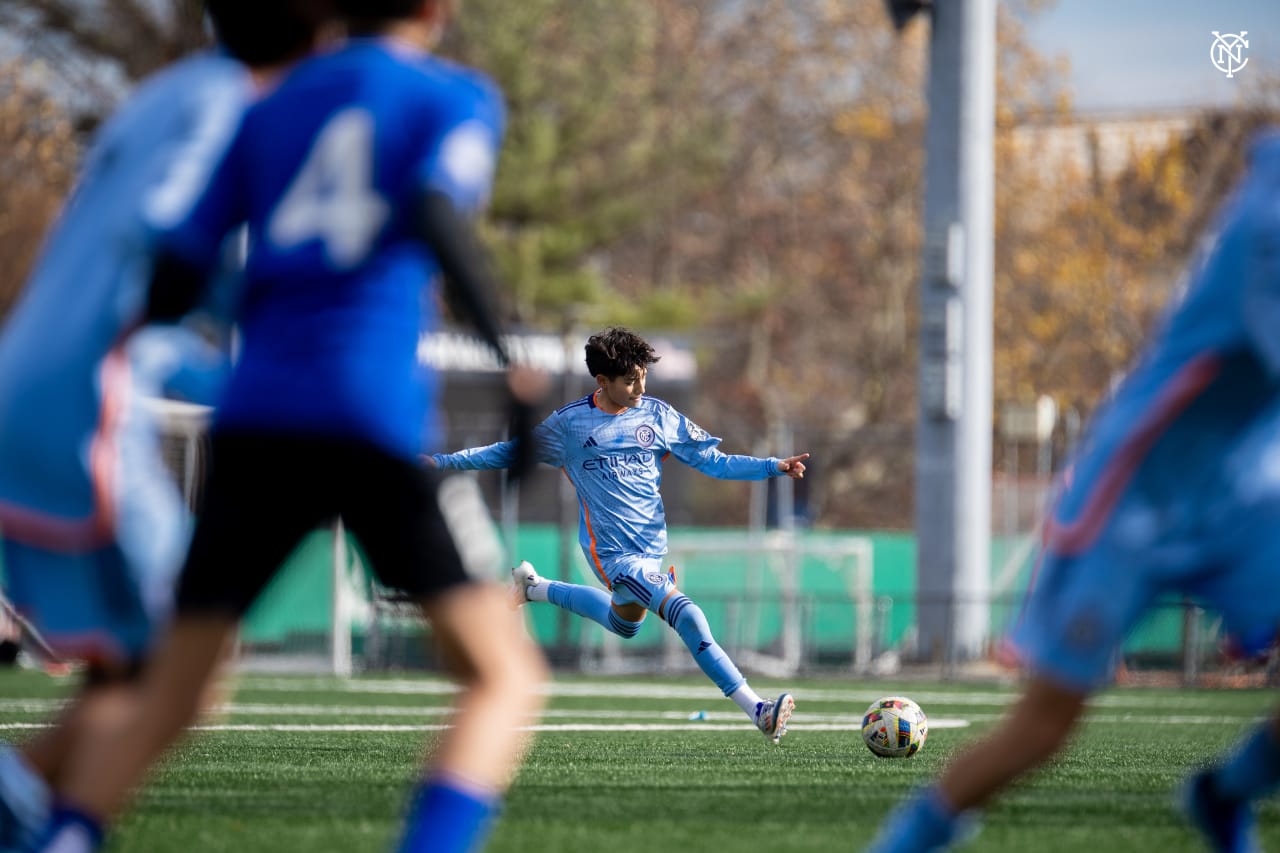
column 488, row 458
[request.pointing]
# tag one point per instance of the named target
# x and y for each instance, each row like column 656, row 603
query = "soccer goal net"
column 779, row 603
column 310, row 616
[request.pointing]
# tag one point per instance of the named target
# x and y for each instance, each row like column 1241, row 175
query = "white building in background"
column 1099, row 145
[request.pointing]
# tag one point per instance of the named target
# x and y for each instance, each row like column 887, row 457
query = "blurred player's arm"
column 177, row 287
column 468, row 277
column 1261, row 302
column 469, row 280
column 1260, row 215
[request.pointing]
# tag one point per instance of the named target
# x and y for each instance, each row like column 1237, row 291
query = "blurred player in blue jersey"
column 1176, row 489
column 94, row 529
column 356, row 177
column 611, row 445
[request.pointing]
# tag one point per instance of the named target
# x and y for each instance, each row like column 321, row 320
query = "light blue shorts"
column 99, row 596
column 637, row 579
column 1083, row 602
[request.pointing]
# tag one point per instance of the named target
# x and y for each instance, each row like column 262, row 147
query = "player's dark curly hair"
column 270, row 31
column 371, row 16
column 616, row 351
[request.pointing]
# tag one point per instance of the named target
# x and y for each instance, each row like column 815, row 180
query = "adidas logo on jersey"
column 590, row 442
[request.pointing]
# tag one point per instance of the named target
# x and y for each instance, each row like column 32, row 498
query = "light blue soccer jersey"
column 615, row 464
column 1211, row 369
column 325, row 171
column 62, row 375
column 1176, row 488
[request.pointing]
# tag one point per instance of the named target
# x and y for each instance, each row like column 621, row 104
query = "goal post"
column 326, row 568
column 780, row 604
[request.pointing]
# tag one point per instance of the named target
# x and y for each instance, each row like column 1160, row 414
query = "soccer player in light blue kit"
column 1176, row 489
column 356, row 177
column 611, row 445
column 94, row 529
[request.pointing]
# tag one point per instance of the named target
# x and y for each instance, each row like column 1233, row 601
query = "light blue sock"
column 586, row 601
column 445, row 817
column 1252, row 770
column 923, row 823
column 691, row 624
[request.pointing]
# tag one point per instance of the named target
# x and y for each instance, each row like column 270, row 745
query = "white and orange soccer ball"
column 894, row 727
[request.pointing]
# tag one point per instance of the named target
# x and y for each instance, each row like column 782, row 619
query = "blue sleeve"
column 1261, row 299
column 200, row 237
column 487, row 458
column 693, row 446
column 503, row 453
column 462, row 154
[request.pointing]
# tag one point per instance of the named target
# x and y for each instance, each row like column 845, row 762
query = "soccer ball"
column 894, row 727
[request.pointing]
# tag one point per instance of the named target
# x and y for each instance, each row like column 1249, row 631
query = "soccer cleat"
column 522, row 577
column 772, row 716
column 1228, row 825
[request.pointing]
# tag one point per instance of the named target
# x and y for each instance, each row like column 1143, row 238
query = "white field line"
column 257, row 709
column 335, row 728
column 641, row 690
column 576, row 720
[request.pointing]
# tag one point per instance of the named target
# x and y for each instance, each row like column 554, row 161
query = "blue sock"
column 446, row 818
column 70, row 830
column 691, row 624
column 1252, row 770
column 920, row 824
column 594, row 604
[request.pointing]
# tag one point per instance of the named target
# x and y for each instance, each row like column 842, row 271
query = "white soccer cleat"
column 522, row 577
column 772, row 716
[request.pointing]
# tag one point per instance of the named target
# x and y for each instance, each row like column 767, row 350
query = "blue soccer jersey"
column 615, row 464
column 94, row 528
column 325, row 172
column 1213, row 367
column 1176, row 487
column 63, row 376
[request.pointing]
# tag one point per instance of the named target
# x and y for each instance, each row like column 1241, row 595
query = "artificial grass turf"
column 685, row 790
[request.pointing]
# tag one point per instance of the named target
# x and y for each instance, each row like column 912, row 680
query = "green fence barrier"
column 740, row 599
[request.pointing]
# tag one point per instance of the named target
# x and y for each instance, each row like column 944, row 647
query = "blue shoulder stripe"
column 661, row 405
column 585, row 401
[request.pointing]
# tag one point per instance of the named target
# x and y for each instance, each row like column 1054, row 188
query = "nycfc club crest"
column 1227, row 52
column 645, row 435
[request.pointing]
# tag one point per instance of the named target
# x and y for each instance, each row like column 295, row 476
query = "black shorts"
column 266, row 491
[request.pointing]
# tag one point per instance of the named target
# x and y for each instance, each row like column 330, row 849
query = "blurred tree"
column 750, row 172
column 1086, row 261
column 35, row 173
column 606, row 137
column 88, row 46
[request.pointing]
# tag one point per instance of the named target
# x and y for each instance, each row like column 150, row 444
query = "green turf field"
column 311, row 764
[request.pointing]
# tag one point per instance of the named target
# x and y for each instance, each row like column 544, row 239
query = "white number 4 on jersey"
column 332, row 198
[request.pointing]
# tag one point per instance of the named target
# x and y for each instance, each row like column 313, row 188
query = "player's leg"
column 1219, row 799
column 431, row 537
column 585, row 601
column 1034, row 730
column 1076, row 614
column 262, row 490
column 88, row 607
column 500, row 670
column 641, row 583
